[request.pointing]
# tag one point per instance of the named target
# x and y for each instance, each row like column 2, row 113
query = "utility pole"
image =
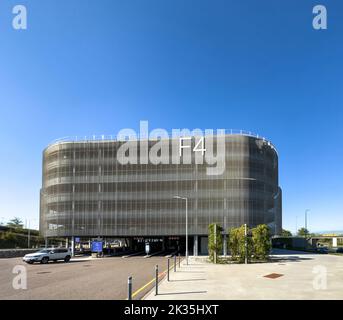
column 28, row 236
column 28, row 226
column 307, row 210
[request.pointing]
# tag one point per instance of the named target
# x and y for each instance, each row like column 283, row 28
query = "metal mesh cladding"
column 86, row 191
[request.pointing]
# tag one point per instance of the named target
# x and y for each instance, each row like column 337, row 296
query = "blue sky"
column 94, row 67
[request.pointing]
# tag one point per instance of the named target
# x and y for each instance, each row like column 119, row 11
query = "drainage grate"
column 273, row 275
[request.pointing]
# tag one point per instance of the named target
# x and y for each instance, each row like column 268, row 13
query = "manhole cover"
column 273, row 275
column 43, row 272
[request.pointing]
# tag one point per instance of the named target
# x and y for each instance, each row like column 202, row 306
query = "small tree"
column 233, row 243
column 303, row 232
column 240, row 246
column 261, row 241
column 215, row 241
column 286, row 233
column 15, row 223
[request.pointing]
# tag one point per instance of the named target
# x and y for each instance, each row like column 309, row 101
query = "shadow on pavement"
column 186, row 280
column 185, row 292
column 276, row 251
column 289, row 259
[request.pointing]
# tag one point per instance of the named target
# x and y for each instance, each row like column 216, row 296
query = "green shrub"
column 261, row 241
column 215, row 241
column 12, row 240
column 236, row 244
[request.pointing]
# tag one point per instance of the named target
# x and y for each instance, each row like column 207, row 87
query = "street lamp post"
column 184, row 198
column 28, row 231
column 307, row 210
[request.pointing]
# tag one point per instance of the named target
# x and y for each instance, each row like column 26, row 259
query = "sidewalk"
column 294, row 279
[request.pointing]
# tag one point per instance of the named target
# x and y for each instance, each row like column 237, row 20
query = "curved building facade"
column 87, row 192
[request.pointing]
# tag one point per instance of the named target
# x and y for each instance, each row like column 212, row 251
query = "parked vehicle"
column 323, row 250
column 336, row 250
column 46, row 255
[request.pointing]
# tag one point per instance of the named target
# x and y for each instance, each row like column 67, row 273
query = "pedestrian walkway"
column 291, row 275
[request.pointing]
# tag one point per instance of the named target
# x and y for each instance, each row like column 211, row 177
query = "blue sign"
column 77, row 239
column 96, row 246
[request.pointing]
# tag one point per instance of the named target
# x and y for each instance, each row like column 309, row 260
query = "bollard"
column 174, row 262
column 168, row 269
column 156, row 280
column 129, row 288
column 179, row 259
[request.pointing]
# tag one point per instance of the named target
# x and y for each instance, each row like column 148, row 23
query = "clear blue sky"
column 94, row 67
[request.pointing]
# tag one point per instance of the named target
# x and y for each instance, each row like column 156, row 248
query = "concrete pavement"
column 294, row 275
column 81, row 278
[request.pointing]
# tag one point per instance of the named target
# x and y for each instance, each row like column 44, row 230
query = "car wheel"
column 67, row 259
column 45, row 260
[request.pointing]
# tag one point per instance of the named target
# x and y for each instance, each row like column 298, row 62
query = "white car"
column 46, row 255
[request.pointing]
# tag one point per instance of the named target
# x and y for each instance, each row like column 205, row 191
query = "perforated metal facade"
column 87, row 192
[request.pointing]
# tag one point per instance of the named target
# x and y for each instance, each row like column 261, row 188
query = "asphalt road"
column 82, row 279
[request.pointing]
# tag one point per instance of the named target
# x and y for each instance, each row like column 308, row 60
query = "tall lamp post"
column 184, row 198
column 307, row 210
column 28, row 231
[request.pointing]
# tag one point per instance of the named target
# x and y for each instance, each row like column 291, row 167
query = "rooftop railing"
column 97, row 138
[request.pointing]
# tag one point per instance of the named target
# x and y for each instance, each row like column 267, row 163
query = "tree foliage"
column 233, row 243
column 239, row 245
column 303, row 232
column 215, row 240
column 261, row 242
column 286, row 233
column 15, row 223
column 12, row 239
column 257, row 243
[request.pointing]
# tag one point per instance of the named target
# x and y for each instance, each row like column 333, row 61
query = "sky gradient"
column 95, row 67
